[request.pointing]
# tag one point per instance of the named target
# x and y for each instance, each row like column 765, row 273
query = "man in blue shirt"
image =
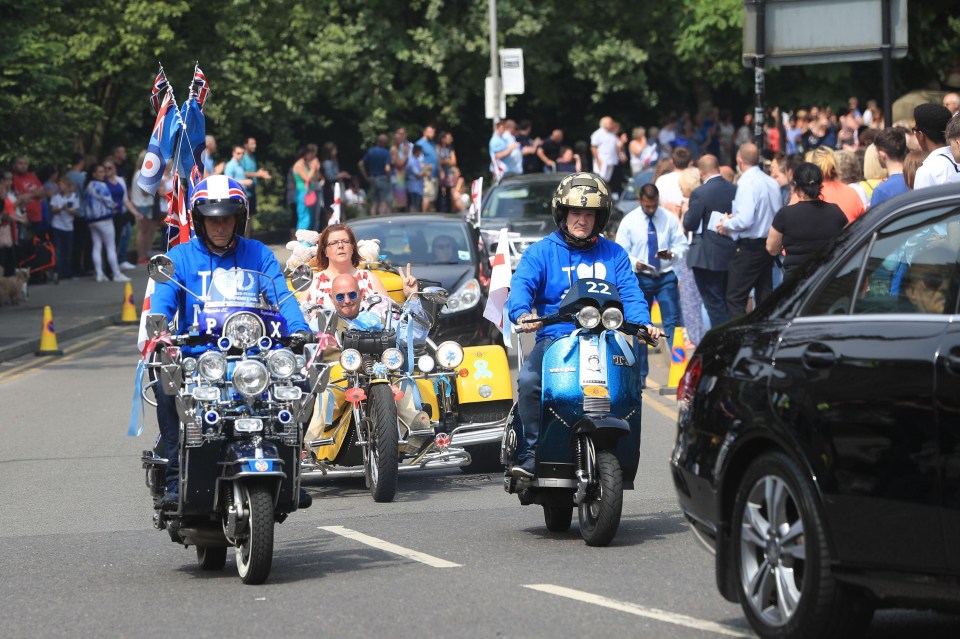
column 430, row 157
column 251, row 172
column 375, row 168
column 891, row 146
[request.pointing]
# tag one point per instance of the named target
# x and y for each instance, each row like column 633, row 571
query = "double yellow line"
column 32, row 366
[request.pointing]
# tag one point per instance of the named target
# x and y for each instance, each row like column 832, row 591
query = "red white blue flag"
column 159, row 86
column 177, row 215
column 160, row 148
column 199, row 88
column 194, row 139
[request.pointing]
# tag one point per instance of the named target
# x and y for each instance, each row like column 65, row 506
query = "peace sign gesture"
column 408, row 280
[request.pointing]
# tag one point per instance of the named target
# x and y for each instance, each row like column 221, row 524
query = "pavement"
column 79, row 307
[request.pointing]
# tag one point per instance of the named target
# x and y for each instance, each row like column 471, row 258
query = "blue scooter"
column 589, row 445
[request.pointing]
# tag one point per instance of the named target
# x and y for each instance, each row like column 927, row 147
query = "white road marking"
column 380, row 544
column 640, row 611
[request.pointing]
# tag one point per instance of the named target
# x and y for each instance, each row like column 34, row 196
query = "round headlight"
column 392, row 359
column 250, row 378
column 588, row 317
column 189, row 364
column 212, row 366
column 612, row 318
column 425, row 363
column 244, row 329
column 351, row 360
column 282, row 363
column 449, row 354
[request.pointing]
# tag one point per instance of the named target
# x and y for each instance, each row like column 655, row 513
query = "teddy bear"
column 369, row 250
column 303, row 249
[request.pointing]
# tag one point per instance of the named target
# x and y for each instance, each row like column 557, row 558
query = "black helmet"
column 581, row 191
column 218, row 196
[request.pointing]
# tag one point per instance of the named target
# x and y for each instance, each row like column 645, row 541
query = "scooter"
column 589, row 445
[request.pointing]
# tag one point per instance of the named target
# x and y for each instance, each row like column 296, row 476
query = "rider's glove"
column 298, row 339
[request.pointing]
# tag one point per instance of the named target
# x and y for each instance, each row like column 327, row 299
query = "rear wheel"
column 557, row 518
column 255, row 550
column 211, row 557
column 382, row 469
column 782, row 560
column 600, row 515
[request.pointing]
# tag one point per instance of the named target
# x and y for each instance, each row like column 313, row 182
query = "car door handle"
column 952, row 360
column 819, row 355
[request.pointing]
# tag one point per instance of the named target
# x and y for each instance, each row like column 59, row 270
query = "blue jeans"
column 63, row 245
column 529, row 387
column 169, row 423
column 664, row 289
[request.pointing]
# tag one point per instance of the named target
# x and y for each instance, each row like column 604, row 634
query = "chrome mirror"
column 160, row 269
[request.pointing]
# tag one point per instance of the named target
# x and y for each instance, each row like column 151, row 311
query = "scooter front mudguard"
column 488, row 375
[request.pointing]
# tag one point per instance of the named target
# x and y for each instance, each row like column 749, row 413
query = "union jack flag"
column 159, row 85
column 177, row 215
column 199, row 88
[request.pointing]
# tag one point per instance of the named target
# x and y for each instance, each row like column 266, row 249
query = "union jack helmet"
column 218, row 196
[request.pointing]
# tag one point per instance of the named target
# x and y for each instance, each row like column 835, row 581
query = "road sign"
column 511, row 70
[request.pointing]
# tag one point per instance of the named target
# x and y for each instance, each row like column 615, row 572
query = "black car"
column 443, row 249
column 818, row 446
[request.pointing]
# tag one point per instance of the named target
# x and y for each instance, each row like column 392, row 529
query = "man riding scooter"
column 581, row 208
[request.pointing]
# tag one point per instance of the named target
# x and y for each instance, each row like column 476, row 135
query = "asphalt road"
column 79, row 556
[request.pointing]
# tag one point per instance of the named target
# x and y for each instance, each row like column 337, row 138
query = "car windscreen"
column 418, row 241
column 530, row 199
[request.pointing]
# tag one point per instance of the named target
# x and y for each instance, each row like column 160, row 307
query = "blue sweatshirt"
column 195, row 264
column 550, row 266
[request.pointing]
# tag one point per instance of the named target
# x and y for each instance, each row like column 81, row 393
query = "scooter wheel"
column 557, row 518
column 600, row 515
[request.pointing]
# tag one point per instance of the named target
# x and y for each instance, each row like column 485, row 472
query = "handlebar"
column 627, row 327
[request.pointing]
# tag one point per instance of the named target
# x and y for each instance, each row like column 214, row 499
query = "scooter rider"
column 219, row 209
column 581, row 207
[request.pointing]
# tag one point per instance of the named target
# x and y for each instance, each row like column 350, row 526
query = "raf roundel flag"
column 195, row 138
column 161, row 145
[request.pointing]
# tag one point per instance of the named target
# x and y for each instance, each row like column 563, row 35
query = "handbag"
column 310, row 198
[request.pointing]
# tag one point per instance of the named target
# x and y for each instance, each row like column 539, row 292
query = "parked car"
column 463, row 269
column 818, row 446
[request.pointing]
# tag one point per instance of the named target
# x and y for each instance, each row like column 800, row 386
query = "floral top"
column 320, row 292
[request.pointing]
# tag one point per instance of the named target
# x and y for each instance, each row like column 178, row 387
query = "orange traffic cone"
column 129, row 313
column 678, row 362
column 48, row 336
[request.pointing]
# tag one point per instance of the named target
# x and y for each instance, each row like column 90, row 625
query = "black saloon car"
column 443, row 249
column 818, row 447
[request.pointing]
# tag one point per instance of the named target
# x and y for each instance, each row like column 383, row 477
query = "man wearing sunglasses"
column 939, row 167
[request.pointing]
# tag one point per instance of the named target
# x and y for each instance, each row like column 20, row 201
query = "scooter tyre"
column 255, row 553
column 557, row 518
column 211, row 557
column 600, row 516
column 383, row 460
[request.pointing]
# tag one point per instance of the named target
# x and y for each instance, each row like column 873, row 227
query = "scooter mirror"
column 160, row 269
column 156, row 324
column 301, row 277
column 435, row 294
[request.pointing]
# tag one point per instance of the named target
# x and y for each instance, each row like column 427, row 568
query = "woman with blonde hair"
column 874, row 174
column 834, row 190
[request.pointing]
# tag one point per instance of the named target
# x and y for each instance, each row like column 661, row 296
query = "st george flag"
column 160, row 148
column 497, row 168
column 476, row 188
column 194, row 125
column 500, row 287
column 160, row 85
column 335, row 207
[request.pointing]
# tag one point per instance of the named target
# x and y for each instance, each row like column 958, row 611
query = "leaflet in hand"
column 716, row 217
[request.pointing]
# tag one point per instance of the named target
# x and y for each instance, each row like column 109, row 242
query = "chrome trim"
column 550, row 482
column 875, row 317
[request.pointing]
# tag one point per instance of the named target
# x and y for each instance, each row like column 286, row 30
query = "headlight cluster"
column 588, row 317
column 392, row 359
column 449, row 355
column 351, row 360
column 212, row 366
column 244, row 329
column 282, row 363
column 465, row 297
column 250, row 377
column 611, row 318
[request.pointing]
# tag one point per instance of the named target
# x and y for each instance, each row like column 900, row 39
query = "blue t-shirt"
column 376, row 160
column 430, row 156
column 234, row 170
column 414, row 183
column 249, row 164
column 891, row 187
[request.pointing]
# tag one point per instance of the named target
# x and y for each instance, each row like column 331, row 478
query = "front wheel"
column 787, row 588
column 383, row 460
column 255, row 550
column 600, row 515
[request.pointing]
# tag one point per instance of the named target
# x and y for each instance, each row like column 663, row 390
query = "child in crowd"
column 64, row 206
column 355, row 196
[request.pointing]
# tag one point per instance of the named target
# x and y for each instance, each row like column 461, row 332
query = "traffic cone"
column 129, row 313
column 48, row 336
column 678, row 362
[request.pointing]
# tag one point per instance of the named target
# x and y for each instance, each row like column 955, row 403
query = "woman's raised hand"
column 408, row 280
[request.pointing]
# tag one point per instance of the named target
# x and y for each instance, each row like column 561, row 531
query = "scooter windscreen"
column 590, row 292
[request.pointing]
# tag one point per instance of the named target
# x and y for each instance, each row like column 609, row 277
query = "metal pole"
column 494, row 62
column 886, row 50
column 758, row 73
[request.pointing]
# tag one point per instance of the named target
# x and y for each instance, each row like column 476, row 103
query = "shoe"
column 127, row 266
column 101, row 277
column 143, row 260
column 120, row 277
column 525, row 469
column 170, row 500
column 305, row 500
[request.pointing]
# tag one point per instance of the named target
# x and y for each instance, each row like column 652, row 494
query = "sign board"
column 490, row 111
column 820, row 31
column 511, row 70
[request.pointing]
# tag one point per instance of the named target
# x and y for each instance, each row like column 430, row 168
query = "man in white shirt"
column 938, row 167
column 603, row 145
column 653, row 239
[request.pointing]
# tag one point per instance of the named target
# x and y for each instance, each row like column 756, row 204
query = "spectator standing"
column 251, row 172
column 125, row 214
column 667, row 135
column 636, row 147
column 447, row 157
column 11, row 219
column 744, row 134
column 416, row 171
column 710, row 253
column 873, row 174
column 234, row 168
column 833, row 190
column 725, row 132
column 529, row 146
column 375, row 168
column 332, row 174
column 64, row 207
column 100, row 208
column 952, row 102
column 305, row 172
column 793, row 133
column 953, row 139
column 354, row 195
column 568, row 161
column 603, row 147
column 652, row 237
column 911, row 164
column 430, row 158
column 939, row 167
column 691, row 304
column 549, row 151
column 210, row 166
column 149, row 209
column 399, row 155
column 753, row 208
column 29, row 191
column 891, row 146
column 500, row 150
column 801, row 229
column 82, row 243
column 668, row 184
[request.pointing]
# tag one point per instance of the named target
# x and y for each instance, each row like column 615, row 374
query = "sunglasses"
column 339, row 243
column 340, row 297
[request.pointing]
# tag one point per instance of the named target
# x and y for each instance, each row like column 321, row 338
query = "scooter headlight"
column 612, row 318
column 588, row 317
column 351, row 360
column 392, row 359
column 282, row 363
column 250, row 378
column 244, row 329
column 212, row 366
column 425, row 363
column 449, row 355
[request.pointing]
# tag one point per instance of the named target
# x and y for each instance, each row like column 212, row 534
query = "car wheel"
column 780, row 550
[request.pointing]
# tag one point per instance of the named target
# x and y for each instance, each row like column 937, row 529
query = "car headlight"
column 250, row 378
column 392, row 359
column 465, row 297
column 282, row 363
column 351, row 360
column 425, row 363
column 612, row 318
column 449, row 354
column 212, row 366
column 244, row 329
column 588, row 317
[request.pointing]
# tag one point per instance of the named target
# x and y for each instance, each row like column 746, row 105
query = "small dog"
column 13, row 289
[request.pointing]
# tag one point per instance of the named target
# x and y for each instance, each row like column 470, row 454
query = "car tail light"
column 691, row 377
